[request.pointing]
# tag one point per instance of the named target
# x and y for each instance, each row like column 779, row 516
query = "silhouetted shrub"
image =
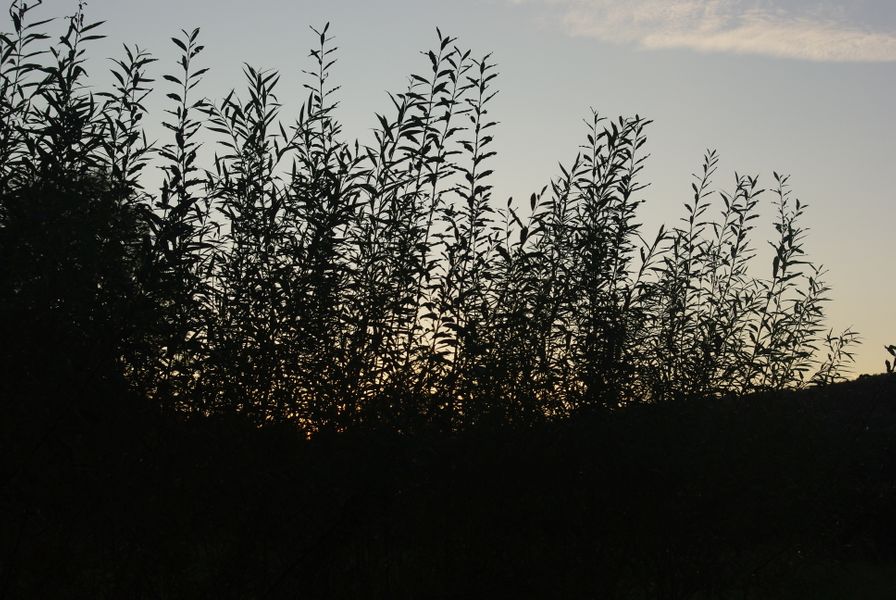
column 305, row 278
column 69, row 297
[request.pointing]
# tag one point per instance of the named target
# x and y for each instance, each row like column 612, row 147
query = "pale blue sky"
column 805, row 88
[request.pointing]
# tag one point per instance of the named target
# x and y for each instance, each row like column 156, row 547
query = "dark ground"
column 787, row 495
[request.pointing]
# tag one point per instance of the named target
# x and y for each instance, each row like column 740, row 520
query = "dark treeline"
column 302, row 278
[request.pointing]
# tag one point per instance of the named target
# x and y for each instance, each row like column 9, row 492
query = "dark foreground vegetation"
column 318, row 368
column 780, row 495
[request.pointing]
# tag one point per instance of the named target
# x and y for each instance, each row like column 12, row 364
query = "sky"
column 805, row 88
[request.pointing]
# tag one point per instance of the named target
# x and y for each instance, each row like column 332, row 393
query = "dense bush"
column 304, row 277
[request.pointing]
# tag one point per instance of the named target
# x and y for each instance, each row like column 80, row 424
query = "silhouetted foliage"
column 302, row 278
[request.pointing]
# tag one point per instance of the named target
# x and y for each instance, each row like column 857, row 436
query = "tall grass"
column 304, row 277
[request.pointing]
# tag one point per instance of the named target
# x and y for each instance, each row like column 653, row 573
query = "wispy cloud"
column 790, row 29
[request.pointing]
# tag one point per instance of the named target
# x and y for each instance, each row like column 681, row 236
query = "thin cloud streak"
column 731, row 26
